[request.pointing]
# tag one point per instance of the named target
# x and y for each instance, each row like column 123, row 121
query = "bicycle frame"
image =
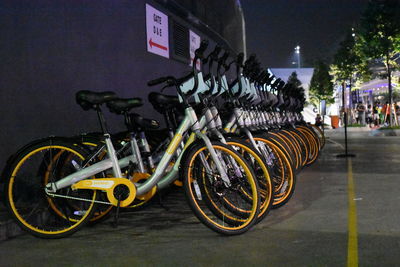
column 190, row 121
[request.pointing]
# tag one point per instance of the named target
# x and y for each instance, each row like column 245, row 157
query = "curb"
column 9, row 229
column 388, row 132
column 363, row 132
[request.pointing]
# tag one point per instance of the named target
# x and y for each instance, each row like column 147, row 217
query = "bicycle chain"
column 78, row 198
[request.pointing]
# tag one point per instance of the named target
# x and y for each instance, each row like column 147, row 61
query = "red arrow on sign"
column 151, row 43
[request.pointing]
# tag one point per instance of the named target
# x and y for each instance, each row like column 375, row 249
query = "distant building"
column 376, row 87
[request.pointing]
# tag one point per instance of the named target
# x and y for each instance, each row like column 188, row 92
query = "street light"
column 297, row 51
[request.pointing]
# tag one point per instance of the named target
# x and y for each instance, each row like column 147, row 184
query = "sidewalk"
column 362, row 131
column 311, row 230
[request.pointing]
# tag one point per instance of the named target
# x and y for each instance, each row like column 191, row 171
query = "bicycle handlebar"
column 223, row 59
column 199, row 51
column 214, row 54
column 170, row 80
column 160, row 80
column 239, row 59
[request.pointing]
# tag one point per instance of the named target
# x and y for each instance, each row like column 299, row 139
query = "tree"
column 297, row 89
column 348, row 63
column 379, row 38
column 296, row 83
column 321, row 86
column 293, row 80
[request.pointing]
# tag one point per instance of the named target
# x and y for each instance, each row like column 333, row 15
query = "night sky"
column 275, row 27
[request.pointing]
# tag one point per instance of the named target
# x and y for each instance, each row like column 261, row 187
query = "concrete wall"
column 51, row 49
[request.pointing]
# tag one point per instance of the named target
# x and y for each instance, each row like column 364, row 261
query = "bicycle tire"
column 282, row 172
column 261, row 171
column 197, row 187
column 24, row 190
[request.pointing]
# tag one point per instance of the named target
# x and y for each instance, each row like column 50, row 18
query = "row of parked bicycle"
column 234, row 148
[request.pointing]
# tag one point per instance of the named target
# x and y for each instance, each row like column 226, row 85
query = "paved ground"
column 311, row 230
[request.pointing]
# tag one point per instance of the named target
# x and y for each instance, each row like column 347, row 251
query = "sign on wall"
column 194, row 41
column 157, row 32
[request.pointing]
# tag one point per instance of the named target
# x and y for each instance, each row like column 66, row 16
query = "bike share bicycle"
column 54, row 185
column 62, row 201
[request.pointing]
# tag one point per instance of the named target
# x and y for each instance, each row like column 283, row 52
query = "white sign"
column 194, row 43
column 157, row 32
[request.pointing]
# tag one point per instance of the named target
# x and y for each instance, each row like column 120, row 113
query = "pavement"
column 344, row 211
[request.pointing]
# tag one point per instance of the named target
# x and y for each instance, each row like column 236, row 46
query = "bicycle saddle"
column 89, row 99
column 139, row 122
column 162, row 102
column 120, row 106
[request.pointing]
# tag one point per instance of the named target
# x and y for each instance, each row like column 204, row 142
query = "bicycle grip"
column 157, row 81
column 239, row 59
column 215, row 53
column 252, row 57
column 223, row 58
column 266, row 77
column 199, row 51
column 281, row 85
column 276, row 82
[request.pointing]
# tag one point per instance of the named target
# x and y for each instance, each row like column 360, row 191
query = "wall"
column 51, row 49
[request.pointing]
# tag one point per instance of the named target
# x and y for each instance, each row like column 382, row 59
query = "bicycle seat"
column 145, row 124
column 120, row 106
column 89, row 99
column 162, row 102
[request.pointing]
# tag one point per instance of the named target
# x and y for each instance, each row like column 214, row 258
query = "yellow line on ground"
column 352, row 245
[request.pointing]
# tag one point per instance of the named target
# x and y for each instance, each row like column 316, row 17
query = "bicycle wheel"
column 283, row 177
column 320, row 134
column 39, row 213
column 250, row 154
column 209, row 196
column 291, row 145
column 286, row 144
column 318, row 137
column 304, row 148
column 312, row 142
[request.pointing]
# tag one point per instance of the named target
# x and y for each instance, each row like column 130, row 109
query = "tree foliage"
column 379, row 37
column 293, row 80
column 377, row 41
column 346, row 59
column 321, row 86
column 296, row 83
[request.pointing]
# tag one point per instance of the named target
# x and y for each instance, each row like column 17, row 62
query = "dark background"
column 275, row 27
column 50, row 49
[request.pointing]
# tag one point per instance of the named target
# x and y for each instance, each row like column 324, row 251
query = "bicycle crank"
column 117, row 189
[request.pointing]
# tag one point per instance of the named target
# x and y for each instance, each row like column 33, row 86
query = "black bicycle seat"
column 120, row 106
column 89, row 99
column 162, row 102
column 142, row 123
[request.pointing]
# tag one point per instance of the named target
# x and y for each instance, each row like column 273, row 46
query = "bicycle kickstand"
column 160, row 202
column 116, row 214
